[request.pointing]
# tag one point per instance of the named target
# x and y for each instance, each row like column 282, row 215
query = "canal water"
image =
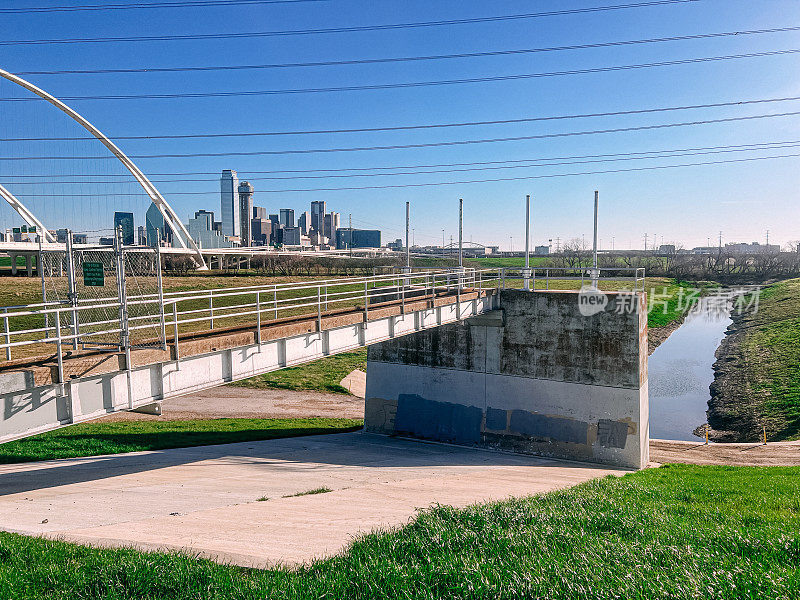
column 681, row 369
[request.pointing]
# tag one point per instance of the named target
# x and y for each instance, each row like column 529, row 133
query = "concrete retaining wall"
column 535, row 376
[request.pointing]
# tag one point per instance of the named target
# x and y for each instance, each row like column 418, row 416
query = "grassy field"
column 674, row 532
column 95, row 438
column 771, row 352
column 321, row 375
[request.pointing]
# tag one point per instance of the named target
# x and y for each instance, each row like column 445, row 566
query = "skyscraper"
column 287, row 217
column 157, row 230
column 304, row 222
column 318, row 216
column 245, row 210
column 331, row 225
column 125, row 220
column 231, row 219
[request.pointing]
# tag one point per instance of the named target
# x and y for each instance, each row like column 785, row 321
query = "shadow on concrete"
column 341, row 449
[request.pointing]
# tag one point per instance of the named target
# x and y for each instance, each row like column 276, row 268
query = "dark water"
column 681, row 369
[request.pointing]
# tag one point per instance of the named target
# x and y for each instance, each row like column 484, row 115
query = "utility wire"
column 499, row 179
column 412, row 127
column 754, row 146
column 416, row 84
column 460, row 170
column 366, row 61
column 420, row 145
column 121, row 6
column 353, row 29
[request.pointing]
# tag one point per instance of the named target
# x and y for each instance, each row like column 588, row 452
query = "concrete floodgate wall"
column 535, row 376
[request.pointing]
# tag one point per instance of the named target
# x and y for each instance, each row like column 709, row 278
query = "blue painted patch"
column 496, row 419
column 442, row 421
column 555, row 428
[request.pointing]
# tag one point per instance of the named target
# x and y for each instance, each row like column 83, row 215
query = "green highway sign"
column 93, row 274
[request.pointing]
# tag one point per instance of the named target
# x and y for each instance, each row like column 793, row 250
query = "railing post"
column 319, row 308
column 73, row 292
column 211, row 308
column 275, row 300
column 366, row 302
column 503, row 277
column 7, row 334
column 258, row 318
column 403, row 297
column 175, row 323
column 58, row 348
column 160, row 281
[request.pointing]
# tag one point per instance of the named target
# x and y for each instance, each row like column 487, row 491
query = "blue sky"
column 687, row 205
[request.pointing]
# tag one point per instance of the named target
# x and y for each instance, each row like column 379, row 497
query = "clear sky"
column 688, row 204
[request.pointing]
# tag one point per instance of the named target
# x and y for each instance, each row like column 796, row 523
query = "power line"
column 499, row 179
column 181, row 4
column 742, row 147
column 419, row 145
column 352, row 29
column 414, row 127
column 674, row 154
column 416, row 84
column 365, row 61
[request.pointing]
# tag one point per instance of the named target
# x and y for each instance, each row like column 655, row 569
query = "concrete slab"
column 205, row 500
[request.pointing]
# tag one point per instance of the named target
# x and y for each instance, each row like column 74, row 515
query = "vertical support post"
column 7, row 334
column 175, row 323
column 460, row 244
column 160, row 283
column 211, row 308
column 275, row 300
column 408, row 248
column 503, row 278
column 39, row 263
column 58, row 349
column 124, row 334
column 527, row 273
column 319, row 308
column 595, row 271
column 258, row 319
column 366, row 302
column 72, row 293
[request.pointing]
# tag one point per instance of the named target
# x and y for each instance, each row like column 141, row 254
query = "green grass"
column 321, row 375
column 669, row 301
column 676, row 532
column 771, row 350
column 497, row 262
column 92, row 439
column 319, row 490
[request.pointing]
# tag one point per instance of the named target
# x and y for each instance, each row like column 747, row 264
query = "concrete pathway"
column 205, row 500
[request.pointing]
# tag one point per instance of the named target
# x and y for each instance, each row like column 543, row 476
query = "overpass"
column 72, row 362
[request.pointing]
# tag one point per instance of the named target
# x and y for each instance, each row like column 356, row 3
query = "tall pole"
column 595, row 271
column 527, row 273
column 408, row 248
column 460, row 232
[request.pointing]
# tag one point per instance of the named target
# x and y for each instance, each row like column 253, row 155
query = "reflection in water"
column 681, row 369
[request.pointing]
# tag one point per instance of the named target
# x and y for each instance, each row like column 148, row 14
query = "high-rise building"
column 287, row 217
column 259, row 212
column 318, row 216
column 291, row 236
column 245, row 210
column 304, row 222
column 331, row 225
column 141, row 236
column 231, row 220
column 357, row 238
column 262, row 231
column 201, row 228
column 125, row 220
column 158, row 232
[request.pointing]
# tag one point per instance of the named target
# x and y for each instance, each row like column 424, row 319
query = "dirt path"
column 234, row 402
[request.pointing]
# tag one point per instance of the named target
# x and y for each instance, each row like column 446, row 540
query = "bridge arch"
column 170, row 217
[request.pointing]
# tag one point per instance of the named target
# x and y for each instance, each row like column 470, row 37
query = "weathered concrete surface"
column 204, row 500
column 535, row 376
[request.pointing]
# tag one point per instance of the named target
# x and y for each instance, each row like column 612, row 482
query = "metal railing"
column 192, row 311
